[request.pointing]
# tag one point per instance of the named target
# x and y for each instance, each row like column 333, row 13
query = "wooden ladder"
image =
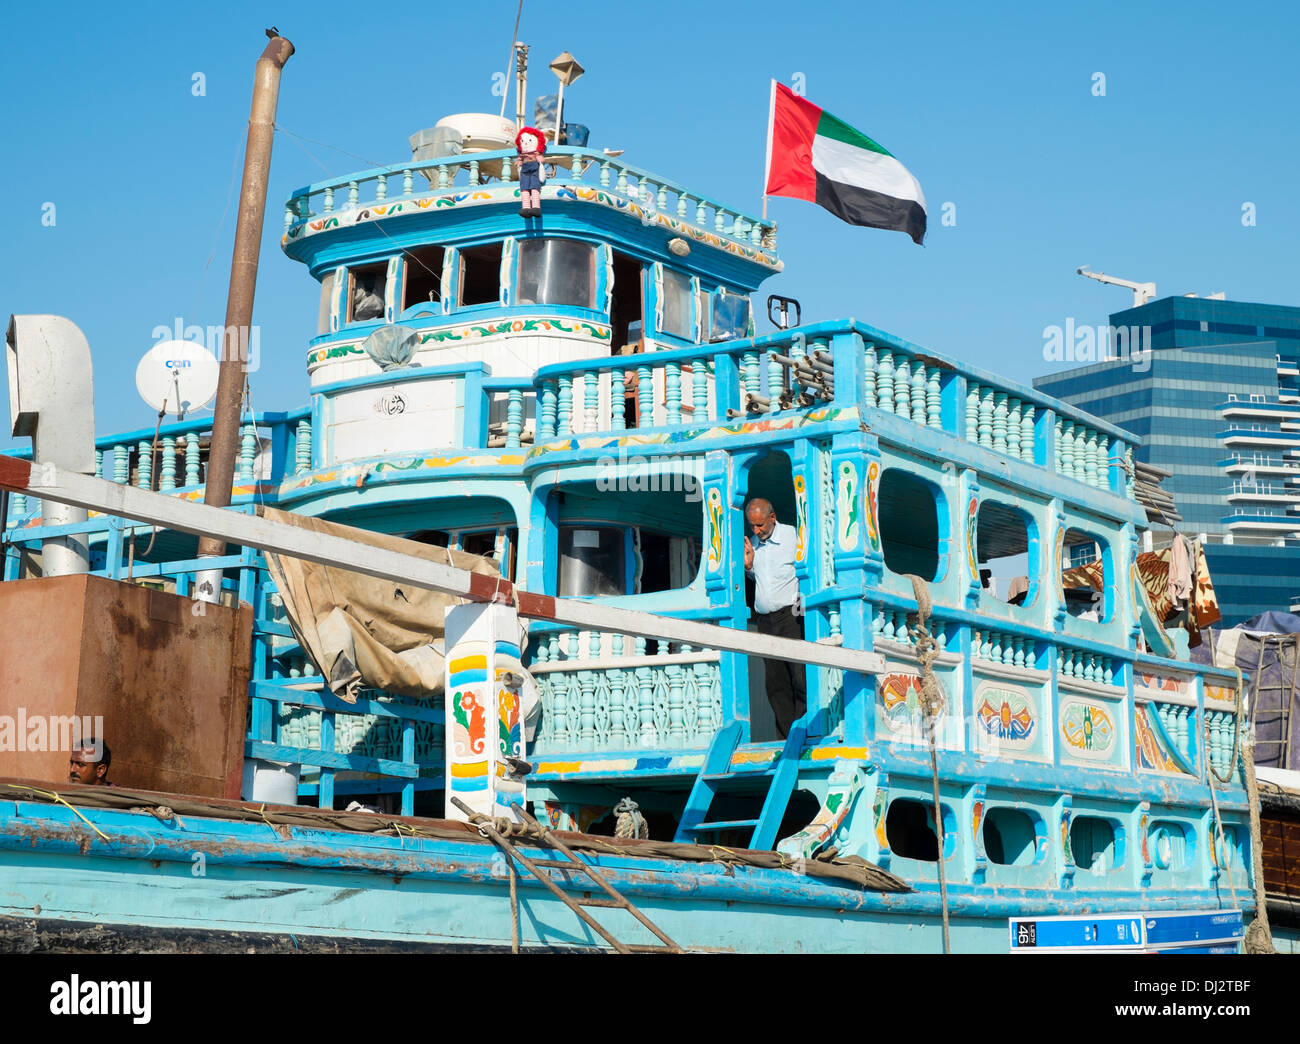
column 615, row 899
column 716, row 774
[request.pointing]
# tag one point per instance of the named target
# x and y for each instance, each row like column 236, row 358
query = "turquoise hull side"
column 225, row 876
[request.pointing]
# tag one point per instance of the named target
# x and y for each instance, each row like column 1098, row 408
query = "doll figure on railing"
column 531, row 146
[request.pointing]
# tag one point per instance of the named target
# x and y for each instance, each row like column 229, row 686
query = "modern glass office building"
column 1215, row 397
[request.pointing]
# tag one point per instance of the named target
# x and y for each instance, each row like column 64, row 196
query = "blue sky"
column 992, row 107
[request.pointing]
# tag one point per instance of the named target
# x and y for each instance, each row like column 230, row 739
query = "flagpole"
column 767, row 167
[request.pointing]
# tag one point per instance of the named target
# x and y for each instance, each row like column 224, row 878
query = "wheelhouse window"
column 647, row 540
column 480, row 274
column 1007, row 551
column 593, row 561
column 1085, row 575
column 423, row 280
column 556, row 272
column 366, row 284
column 627, row 306
column 675, row 304
column 724, row 315
column 909, row 524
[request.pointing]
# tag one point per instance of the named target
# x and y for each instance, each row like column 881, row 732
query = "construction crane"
column 1142, row 292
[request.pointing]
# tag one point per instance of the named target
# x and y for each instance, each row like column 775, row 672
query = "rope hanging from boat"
column 1259, row 934
column 932, row 702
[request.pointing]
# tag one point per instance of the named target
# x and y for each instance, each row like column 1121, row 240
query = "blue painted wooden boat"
column 587, row 400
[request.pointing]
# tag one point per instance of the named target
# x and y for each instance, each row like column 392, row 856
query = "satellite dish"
column 177, row 376
column 392, row 347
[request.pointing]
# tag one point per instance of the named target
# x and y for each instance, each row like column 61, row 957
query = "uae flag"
column 814, row 156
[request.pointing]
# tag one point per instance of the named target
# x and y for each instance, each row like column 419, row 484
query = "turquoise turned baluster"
column 1067, row 449
column 996, row 653
column 1060, row 446
column 144, row 465
column 688, row 389
column 933, row 399
column 408, row 179
column 649, row 735
column 1067, row 662
column 247, row 451
column 645, row 397
column 1129, row 475
column 381, row 187
column 683, row 203
column 973, row 413
column 514, row 417
column 605, row 169
column 749, row 376
column 871, row 365
column 799, row 352
column 1019, row 660
column 885, row 382
column 622, row 181
column 618, row 399
column 506, row 170
column 1000, row 422
column 1090, row 458
column 1103, row 461
column 592, row 422
column 986, row 649
column 676, row 703
column 902, row 387
column 328, row 203
column 587, row 686
column 99, row 466
column 919, row 379
column 1027, row 433
column 775, row 374
column 1108, row 672
column 617, row 699
column 706, row 715
column 878, row 624
column 564, row 407
column 1013, row 428
column 192, row 457
column 701, row 214
column 673, row 392
column 301, row 451
column 986, row 418
column 352, row 193
column 168, row 477
column 578, row 399
column 700, row 395
column 547, row 419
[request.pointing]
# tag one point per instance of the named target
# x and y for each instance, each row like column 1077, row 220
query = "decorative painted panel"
column 847, row 510
column 1007, row 714
column 715, row 519
column 873, row 517
column 898, row 693
column 801, row 519
column 1088, row 729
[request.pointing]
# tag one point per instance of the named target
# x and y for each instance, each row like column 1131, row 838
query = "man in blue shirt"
column 769, row 559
